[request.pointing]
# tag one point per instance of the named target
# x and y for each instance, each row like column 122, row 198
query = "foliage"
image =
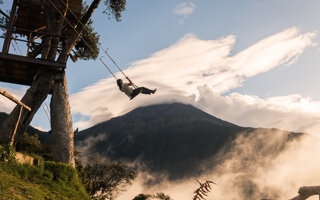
column 48, row 181
column 104, row 180
column 162, row 196
column 88, row 37
column 62, row 173
column 115, row 8
column 3, row 23
column 91, row 38
column 31, row 144
column 159, row 196
column 203, row 190
column 142, row 197
column 7, row 153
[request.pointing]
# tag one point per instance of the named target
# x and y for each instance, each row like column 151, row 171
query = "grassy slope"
column 50, row 181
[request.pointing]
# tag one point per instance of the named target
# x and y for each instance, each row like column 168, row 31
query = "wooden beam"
column 6, row 43
column 4, row 14
column 46, row 63
column 12, row 98
column 17, row 39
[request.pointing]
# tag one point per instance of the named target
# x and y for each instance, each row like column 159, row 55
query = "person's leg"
column 142, row 90
column 147, row 91
column 135, row 92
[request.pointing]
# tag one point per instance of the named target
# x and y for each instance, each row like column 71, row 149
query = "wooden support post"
column 15, row 128
column 6, row 43
column 30, row 39
column 12, row 98
column 22, row 105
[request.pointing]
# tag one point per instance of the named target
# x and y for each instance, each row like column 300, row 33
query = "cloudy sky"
column 253, row 63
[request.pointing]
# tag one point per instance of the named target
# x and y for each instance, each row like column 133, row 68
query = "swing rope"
column 85, row 42
column 105, row 51
column 85, row 28
column 114, row 76
column 46, row 110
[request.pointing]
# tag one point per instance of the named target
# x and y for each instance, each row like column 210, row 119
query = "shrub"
column 158, row 196
column 103, row 179
column 32, row 145
column 62, row 172
column 7, row 153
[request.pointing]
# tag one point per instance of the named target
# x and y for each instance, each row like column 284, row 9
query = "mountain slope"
column 176, row 139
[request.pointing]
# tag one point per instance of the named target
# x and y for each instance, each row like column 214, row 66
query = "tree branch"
column 78, row 30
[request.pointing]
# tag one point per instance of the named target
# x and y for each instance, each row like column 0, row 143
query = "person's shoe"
column 154, row 91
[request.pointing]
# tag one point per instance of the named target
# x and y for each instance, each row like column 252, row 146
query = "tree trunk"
column 61, row 122
column 306, row 191
column 35, row 95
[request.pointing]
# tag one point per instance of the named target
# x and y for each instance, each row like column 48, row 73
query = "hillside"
column 49, row 181
column 175, row 139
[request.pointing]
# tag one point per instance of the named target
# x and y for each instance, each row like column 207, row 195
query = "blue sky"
column 156, row 30
column 153, row 26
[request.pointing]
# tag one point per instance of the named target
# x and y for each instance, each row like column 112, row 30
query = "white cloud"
column 181, row 70
column 184, row 10
column 40, row 128
column 85, row 146
column 293, row 112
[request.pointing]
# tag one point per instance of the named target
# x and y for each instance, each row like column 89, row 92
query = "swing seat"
column 134, row 94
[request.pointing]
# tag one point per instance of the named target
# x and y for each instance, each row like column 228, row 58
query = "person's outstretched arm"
column 130, row 82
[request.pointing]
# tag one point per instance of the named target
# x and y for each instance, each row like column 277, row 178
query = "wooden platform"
column 21, row 70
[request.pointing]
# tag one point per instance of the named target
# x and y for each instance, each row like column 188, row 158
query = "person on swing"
column 133, row 92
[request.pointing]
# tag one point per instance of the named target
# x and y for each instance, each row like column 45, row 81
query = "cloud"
column 85, row 146
column 181, row 71
column 40, row 128
column 184, row 10
column 293, row 112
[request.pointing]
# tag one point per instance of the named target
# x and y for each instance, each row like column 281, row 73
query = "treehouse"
column 27, row 18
